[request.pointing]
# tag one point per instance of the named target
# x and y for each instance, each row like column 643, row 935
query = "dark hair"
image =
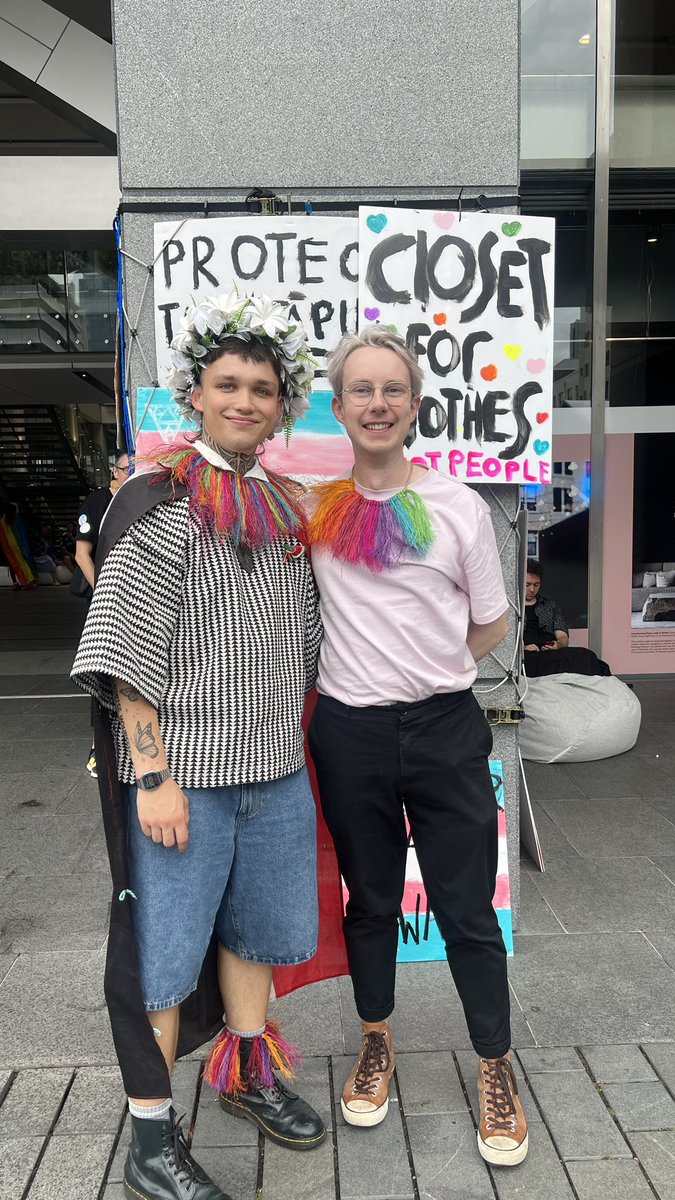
column 253, row 350
column 119, row 455
column 534, row 568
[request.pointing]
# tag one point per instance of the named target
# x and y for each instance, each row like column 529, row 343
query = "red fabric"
column 331, row 957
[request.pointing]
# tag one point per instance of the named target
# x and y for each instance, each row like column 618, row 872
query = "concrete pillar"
column 319, row 100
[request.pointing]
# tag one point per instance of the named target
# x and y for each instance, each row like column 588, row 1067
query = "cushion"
column 649, row 579
column 665, row 578
column 578, row 718
column 637, row 579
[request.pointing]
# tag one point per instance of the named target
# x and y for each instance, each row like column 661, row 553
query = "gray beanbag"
column 578, row 718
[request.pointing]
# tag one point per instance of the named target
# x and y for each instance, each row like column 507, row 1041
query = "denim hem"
column 160, row 1005
column 492, row 1051
column 269, row 962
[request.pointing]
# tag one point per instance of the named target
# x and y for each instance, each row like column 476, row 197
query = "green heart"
column 511, row 228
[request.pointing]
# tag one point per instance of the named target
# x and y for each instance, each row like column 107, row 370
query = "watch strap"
column 152, row 779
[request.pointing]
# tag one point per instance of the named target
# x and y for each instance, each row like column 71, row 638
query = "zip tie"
column 127, row 892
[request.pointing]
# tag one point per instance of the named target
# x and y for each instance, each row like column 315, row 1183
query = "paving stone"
column 72, row 1168
column 618, row 1064
column 217, row 1129
column 41, row 790
column 641, row 1106
column 5, row 1080
column 116, row 1171
column 373, row 1165
column 662, row 1057
column 82, row 799
column 234, row 1169
column 535, row 915
column 52, row 1011
column 282, row 1177
column 591, row 895
column 436, row 1024
column 609, row 1181
column 429, row 1083
column 32, row 1103
column 37, row 757
column 577, row 1118
column 600, row 988
column 447, row 1163
column 555, row 846
column 468, row 1068
column 54, row 912
column 17, row 1159
column 184, row 1087
column 613, row 828
column 42, row 844
column 665, row 944
column 540, row 1177
column 6, row 963
column 656, row 1152
column 114, row 1191
column 95, row 1102
column 311, row 1018
column 552, row 1058
column 545, row 781
column 623, row 776
column 665, row 863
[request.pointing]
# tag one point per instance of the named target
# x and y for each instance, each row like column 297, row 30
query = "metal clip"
column 504, row 716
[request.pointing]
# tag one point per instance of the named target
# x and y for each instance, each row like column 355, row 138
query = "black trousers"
column 432, row 757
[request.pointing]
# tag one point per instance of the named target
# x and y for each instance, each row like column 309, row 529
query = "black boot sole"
column 132, row 1193
column 240, row 1110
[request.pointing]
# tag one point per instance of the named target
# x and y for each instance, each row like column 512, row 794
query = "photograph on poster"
column 472, row 295
column 653, row 574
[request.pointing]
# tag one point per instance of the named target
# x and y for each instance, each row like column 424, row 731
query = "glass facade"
column 643, row 133
column 558, row 83
column 57, row 301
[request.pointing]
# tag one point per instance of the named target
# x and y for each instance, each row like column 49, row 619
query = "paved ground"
column 593, row 985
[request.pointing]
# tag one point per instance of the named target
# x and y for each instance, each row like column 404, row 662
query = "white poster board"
column 474, row 299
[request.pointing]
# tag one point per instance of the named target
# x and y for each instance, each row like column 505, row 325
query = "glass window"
column 644, row 86
column 32, row 302
column 557, row 83
column 557, row 528
column 91, row 280
column 641, row 307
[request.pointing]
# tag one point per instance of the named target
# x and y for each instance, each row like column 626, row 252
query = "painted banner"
column 473, row 297
column 419, row 938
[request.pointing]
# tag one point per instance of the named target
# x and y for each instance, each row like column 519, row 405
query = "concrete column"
column 320, row 100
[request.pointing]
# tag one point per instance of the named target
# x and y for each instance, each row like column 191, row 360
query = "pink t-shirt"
column 401, row 635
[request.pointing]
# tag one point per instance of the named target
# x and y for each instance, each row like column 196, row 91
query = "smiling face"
column 378, row 428
column 240, row 400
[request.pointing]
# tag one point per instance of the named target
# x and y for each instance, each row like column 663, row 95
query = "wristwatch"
column 152, row 779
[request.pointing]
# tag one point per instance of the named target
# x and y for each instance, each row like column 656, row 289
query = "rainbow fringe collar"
column 252, row 512
column 375, row 534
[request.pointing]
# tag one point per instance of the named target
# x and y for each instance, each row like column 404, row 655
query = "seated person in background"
column 543, row 618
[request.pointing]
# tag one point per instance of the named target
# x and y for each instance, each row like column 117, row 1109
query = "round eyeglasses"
column 361, row 394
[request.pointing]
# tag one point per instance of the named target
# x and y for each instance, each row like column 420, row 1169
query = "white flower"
column 212, row 315
column 199, row 351
column 182, row 341
column 228, row 304
column 267, row 315
column 182, row 362
column 179, row 381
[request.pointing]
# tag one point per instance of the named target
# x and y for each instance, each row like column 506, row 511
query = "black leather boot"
column 280, row 1114
column 159, row 1165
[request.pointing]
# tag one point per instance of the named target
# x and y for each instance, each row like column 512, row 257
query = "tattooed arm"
column 163, row 814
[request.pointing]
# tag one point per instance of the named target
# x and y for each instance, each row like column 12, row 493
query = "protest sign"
column 473, row 297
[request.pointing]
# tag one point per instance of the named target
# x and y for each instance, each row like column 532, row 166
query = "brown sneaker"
column 365, row 1098
column 502, row 1132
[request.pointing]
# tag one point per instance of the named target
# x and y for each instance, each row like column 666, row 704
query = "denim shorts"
column 249, row 872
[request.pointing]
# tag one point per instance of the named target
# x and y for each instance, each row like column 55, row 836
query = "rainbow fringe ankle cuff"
column 375, row 534
column 269, row 1053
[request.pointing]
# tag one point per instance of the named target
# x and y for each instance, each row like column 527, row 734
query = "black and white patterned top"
column 223, row 655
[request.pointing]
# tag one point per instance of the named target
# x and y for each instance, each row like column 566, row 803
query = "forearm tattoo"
column 129, row 692
column 144, row 740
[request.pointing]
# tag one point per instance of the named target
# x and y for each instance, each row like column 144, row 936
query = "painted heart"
column 445, row 220
column 440, row 318
column 540, row 447
column 371, row 314
column 536, row 365
column 376, row 222
column 513, row 352
column 541, row 417
column 490, row 372
column 511, row 228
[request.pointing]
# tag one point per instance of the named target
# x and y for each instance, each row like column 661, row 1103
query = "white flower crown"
column 203, row 328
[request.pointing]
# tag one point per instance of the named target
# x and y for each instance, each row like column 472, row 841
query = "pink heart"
column 371, row 314
column 445, row 220
column 536, row 365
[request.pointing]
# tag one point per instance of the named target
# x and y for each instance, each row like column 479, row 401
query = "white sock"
column 154, row 1112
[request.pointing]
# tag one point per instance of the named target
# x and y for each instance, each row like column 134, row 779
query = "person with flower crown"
column 412, row 597
column 201, row 641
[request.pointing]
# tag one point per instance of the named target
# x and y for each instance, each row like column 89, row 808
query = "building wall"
column 325, row 101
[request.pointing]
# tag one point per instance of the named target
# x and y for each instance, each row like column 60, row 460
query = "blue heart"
column 540, row 447
column 376, row 222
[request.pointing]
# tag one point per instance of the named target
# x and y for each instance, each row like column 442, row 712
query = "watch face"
column 150, row 781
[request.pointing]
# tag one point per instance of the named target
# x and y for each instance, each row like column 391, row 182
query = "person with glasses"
column 412, row 597
column 89, row 521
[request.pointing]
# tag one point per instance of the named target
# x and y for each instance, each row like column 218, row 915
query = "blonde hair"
column 379, row 338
